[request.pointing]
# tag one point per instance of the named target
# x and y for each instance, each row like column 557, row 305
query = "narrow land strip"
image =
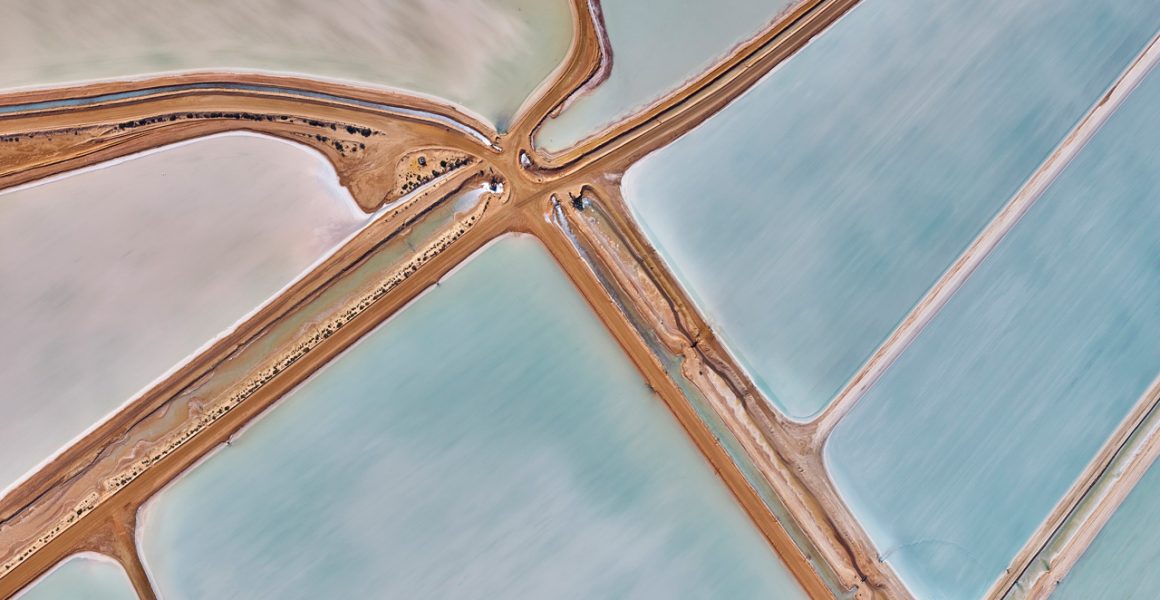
column 107, row 130
column 984, row 243
column 129, row 446
column 1071, row 536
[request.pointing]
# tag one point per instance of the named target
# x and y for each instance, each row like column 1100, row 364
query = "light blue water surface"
column 657, row 45
column 976, row 432
column 491, row 441
column 1121, row 562
column 809, row 216
column 82, row 576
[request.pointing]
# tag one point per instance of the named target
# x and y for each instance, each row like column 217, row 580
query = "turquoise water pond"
column 970, row 439
column 809, row 216
column 491, row 440
column 82, row 576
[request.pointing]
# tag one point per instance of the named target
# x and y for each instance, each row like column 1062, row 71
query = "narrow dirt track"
column 88, row 497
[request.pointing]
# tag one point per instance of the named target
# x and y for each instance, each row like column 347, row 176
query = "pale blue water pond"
column 490, row 441
column 656, row 47
column 88, row 576
column 809, row 216
column 967, row 443
column 1121, row 562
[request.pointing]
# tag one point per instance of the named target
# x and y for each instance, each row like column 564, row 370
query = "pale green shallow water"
column 82, row 577
column 657, row 45
column 1121, row 562
column 487, row 55
column 971, row 438
column 115, row 275
column 490, row 441
column 809, row 216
